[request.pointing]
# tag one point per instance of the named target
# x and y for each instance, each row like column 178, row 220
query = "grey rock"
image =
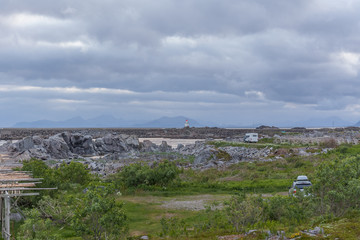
column 316, row 231
column 57, row 147
column 38, row 140
column 82, row 145
column 179, row 146
column 205, row 155
column 22, row 145
column 131, row 141
column 148, row 146
column 25, row 155
column 164, row 147
column 302, row 152
column 111, row 143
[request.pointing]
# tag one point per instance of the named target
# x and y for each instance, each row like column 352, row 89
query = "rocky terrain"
column 113, row 151
column 105, row 153
column 177, row 133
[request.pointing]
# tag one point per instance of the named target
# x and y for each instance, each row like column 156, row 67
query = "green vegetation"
column 141, row 175
column 82, row 207
column 247, row 195
column 263, row 143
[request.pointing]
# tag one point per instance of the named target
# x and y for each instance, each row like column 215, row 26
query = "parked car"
column 299, row 184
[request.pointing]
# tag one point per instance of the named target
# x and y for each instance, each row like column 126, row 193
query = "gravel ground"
column 194, row 203
column 171, row 141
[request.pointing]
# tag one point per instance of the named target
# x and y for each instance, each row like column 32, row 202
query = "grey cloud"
column 303, row 52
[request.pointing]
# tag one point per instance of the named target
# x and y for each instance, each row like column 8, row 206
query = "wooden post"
column 1, row 217
column 7, row 217
column 13, row 184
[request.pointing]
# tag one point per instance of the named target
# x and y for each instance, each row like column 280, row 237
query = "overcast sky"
column 225, row 61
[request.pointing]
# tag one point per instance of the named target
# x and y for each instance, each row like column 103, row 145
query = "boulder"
column 82, row 145
column 164, row 147
column 38, row 141
column 148, row 146
column 56, row 147
column 110, row 144
column 131, row 141
column 204, row 155
column 179, row 146
column 22, row 145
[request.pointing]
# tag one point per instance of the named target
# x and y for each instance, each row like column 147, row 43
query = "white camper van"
column 251, row 137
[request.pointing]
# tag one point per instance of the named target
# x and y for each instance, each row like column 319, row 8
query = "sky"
column 223, row 61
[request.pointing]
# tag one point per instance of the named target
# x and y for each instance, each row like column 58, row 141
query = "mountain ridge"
column 109, row 121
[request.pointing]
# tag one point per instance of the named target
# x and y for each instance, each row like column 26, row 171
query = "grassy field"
column 146, row 208
column 198, row 204
column 145, row 211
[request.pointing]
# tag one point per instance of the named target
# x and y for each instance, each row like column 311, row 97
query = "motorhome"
column 251, row 137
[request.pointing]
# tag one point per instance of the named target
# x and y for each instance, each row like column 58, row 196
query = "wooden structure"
column 13, row 185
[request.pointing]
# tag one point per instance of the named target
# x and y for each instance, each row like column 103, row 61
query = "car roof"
column 302, row 178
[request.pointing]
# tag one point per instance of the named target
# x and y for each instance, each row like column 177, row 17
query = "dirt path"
column 191, row 202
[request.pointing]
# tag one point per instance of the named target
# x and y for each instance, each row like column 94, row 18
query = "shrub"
column 173, row 227
column 74, row 172
column 329, row 143
column 35, row 227
column 288, row 210
column 39, row 169
column 223, row 155
column 98, row 215
column 337, row 186
column 243, row 211
column 138, row 174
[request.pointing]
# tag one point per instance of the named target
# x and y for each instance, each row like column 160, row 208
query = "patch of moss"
column 222, row 155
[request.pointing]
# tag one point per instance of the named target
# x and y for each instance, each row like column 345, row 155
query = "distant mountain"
column 36, row 124
column 76, row 122
column 108, row 121
column 170, row 122
column 323, row 122
column 357, row 124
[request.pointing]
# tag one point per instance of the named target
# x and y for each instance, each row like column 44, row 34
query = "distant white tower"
column 187, row 124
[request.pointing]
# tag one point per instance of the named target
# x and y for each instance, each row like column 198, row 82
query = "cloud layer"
column 229, row 61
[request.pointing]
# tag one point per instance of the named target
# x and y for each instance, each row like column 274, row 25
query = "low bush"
column 139, row 174
column 223, row 155
column 243, row 211
column 72, row 173
column 266, row 140
column 329, row 143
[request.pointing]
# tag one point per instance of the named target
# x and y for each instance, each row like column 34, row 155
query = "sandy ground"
column 171, row 142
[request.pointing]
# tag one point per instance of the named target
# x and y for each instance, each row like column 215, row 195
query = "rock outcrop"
column 113, row 150
column 67, row 146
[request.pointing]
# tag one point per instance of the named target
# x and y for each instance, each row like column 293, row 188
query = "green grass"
column 347, row 150
column 145, row 212
column 250, row 177
column 343, row 228
column 143, row 218
column 262, row 177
